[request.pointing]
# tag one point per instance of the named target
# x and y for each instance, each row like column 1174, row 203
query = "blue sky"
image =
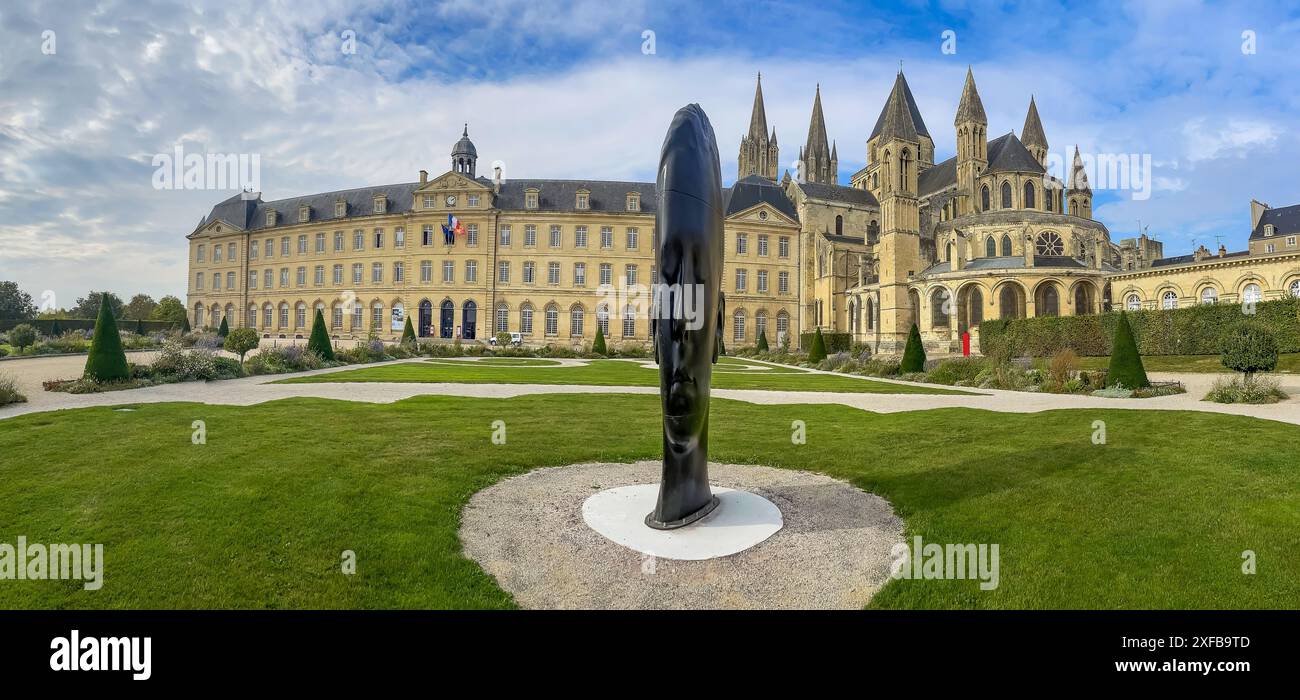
column 563, row 89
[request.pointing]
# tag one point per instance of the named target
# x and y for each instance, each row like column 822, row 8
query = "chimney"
column 496, row 179
column 1222, row 250
column 424, row 177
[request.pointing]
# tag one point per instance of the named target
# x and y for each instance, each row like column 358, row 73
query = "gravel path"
column 252, row 390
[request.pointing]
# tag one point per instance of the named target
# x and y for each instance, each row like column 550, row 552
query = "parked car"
column 516, row 339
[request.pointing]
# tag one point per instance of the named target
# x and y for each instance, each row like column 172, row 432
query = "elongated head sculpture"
column 686, row 321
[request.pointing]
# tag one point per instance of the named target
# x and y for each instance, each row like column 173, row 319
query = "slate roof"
column 905, row 92
column 971, row 108
column 1032, row 134
column 756, row 189
column 1007, row 154
column 937, row 177
column 1002, row 262
column 561, row 195
column 839, row 193
column 1286, row 221
column 1188, row 259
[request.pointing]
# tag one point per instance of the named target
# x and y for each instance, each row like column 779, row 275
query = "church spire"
column 758, row 151
column 1032, row 135
column 971, row 108
column 758, row 119
column 896, row 119
column 818, row 163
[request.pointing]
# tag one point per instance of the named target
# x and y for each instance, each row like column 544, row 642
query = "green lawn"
column 730, row 373
column 258, row 517
column 1289, row 362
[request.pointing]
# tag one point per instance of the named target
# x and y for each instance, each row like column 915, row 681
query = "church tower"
column 899, row 250
column 758, row 151
column 1032, row 135
column 1078, row 194
column 972, row 145
column 818, row 161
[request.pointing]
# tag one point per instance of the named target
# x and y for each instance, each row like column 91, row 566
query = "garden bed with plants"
column 26, row 341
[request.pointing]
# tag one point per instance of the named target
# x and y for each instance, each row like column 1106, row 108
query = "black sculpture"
column 686, row 323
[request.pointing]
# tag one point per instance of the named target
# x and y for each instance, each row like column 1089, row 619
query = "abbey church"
column 986, row 233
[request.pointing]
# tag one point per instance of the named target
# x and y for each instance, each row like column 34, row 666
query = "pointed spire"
column 896, row 119
column 773, row 139
column 817, row 145
column 1078, row 175
column 835, row 154
column 1032, row 135
column 758, row 119
column 971, row 108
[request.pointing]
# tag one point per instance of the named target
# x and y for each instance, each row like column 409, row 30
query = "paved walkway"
column 253, row 390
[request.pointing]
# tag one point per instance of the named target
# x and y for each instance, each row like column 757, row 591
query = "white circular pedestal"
column 741, row 520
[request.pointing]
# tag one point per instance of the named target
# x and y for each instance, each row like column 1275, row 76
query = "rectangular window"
column 503, row 235
column 357, row 311
column 319, row 276
column 762, row 246
column 582, row 200
column 530, row 235
column 270, row 247
column 1290, row 241
column 606, row 236
column 216, row 281
column 302, row 276
column 631, row 275
column 530, row 200
column 266, row 316
column 473, row 200
column 631, row 238
column 503, row 272
column 399, row 272
column 340, row 210
column 198, row 280
column 606, row 274
column 783, row 247
column 252, row 279
column 426, row 270
column 338, row 275
column 358, row 240
column 471, row 270
column 284, row 277
column 376, row 273
column 379, row 238
column 426, row 235
column 448, row 271
column 762, row 281
column 201, row 253
column 580, row 237
column 336, row 317
column 268, row 278
column 471, row 235
column 783, row 282
column 426, row 201
column 1270, row 248
column 232, row 252
column 302, row 244
column 553, row 273
column 556, row 236
column 742, row 277
column 338, row 241
column 579, row 274
column 216, row 253
column 357, row 273
column 230, row 280
column 253, row 250
column 284, row 247
column 284, row 315
column 530, row 272
column 320, row 243
column 742, row 244
column 503, row 319
column 399, row 237
column 377, row 316
column 629, row 322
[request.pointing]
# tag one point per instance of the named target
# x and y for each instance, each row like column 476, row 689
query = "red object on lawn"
column 965, row 344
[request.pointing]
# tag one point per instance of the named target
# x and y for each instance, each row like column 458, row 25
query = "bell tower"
column 898, row 147
column 972, row 145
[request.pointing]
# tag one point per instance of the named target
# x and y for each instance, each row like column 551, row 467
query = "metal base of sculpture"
column 682, row 522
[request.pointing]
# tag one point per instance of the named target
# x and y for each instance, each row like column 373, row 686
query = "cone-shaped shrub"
column 913, row 353
column 598, row 346
column 56, row 330
column 408, row 333
column 139, row 326
column 761, row 346
column 319, row 342
column 185, row 326
column 224, row 330
column 1125, row 363
column 817, row 352
column 106, row 361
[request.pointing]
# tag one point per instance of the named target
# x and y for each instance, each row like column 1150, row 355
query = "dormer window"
column 270, row 217
column 583, row 201
column 381, row 204
column 530, row 198
column 340, row 209
column 304, row 214
column 1268, row 230
column 633, row 201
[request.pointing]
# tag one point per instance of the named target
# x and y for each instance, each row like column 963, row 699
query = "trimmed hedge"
column 106, row 362
column 1195, row 330
column 913, row 353
column 817, row 348
column 57, row 326
column 834, row 342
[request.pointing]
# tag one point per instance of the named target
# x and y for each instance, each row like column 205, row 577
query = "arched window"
column 782, row 325
column 284, row 315
column 1047, row 198
column 760, row 325
column 984, row 198
column 526, row 319
column 602, row 319
column 552, row 320
column 1029, row 195
column 230, row 314
column 1074, row 207
column 576, row 318
column 975, row 300
column 1006, row 195
column 503, row 318
column 1082, row 302
column 1209, row 295
column 469, row 320
column 1049, row 243
column 1169, row 300
column 871, row 314
column 990, row 247
column 268, row 315
column 1048, row 302
column 873, row 231
column 376, row 316
column 252, row 316
column 336, row 316
column 948, row 252
column 1294, row 288
column 198, row 315
column 629, row 321
column 839, row 225
column 300, row 315
column 738, row 326
column 1009, row 302
column 1132, row 302
column 1251, row 294
column 939, row 308
column 1006, row 245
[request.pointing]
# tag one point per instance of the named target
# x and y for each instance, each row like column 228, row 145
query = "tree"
column 1126, row 368
column 224, row 330
column 241, row 341
column 913, row 353
column 169, row 309
column 139, row 327
column 761, row 346
column 408, row 333
column 140, row 307
column 56, row 329
column 185, row 325
column 88, row 306
column 1249, row 347
column 15, row 303
column 106, row 361
column 319, row 342
column 22, row 335
column 598, row 346
column 817, row 352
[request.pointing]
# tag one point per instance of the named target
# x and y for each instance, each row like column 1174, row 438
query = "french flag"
column 454, row 224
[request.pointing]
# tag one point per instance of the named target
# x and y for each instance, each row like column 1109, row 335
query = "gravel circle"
column 528, row 533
